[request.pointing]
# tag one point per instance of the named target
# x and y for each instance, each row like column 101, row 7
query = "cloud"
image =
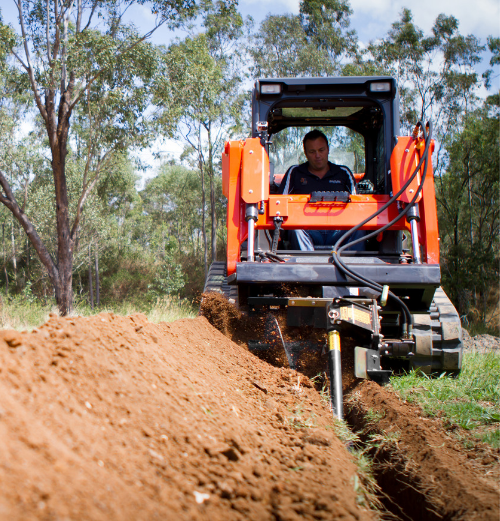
column 278, row 7
column 374, row 19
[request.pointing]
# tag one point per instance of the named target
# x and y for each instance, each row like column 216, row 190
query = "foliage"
column 81, row 60
column 441, row 92
column 200, row 86
column 469, row 208
column 315, row 42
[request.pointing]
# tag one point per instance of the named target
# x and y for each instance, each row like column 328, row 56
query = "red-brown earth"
column 116, row 418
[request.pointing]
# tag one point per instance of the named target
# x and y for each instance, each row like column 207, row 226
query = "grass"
column 470, row 401
column 20, row 313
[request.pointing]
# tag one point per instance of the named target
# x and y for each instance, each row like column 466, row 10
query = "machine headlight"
column 270, row 88
column 380, row 86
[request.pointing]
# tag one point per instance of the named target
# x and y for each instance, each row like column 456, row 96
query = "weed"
column 344, row 433
column 298, row 418
column 365, row 485
column 372, row 416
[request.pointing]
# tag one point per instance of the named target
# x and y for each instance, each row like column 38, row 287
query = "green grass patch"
column 471, row 400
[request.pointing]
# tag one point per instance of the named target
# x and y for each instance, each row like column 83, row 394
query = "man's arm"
column 352, row 181
column 286, row 185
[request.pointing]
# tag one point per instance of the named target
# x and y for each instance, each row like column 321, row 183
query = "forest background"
column 87, row 92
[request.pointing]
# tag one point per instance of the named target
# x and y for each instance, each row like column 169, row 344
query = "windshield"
column 346, row 148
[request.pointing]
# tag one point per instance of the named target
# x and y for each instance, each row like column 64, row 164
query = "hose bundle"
column 338, row 248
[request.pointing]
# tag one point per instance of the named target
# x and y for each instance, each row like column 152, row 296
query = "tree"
column 469, row 208
column 436, row 74
column 172, row 203
column 69, row 54
column 201, row 86
column 315, row 42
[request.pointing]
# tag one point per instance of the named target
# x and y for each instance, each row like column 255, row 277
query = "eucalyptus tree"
column 469, row 208
column 201, row 86
column 315, row 42
column 78, row 57
column 436, row 73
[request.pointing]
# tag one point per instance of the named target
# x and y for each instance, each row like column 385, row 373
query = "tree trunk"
column 203, row 218
column 14, row 260
column 5, row 261
column 212, row 198
column 97, row 291
column 91, row 288
column 28, row 259
column 63, row 286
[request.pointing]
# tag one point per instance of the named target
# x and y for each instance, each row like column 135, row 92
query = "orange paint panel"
column 428, row 225
column 305, row 215
column 231, row 166
column 278, row 206
column 404, row 160
column 254, row 172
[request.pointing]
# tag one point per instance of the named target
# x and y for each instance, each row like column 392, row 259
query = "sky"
column 370, row 18
column 373, row 18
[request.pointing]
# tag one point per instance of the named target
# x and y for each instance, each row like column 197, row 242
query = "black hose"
column 338, row 249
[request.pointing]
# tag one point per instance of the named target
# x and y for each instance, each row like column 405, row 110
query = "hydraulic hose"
column 338, row 248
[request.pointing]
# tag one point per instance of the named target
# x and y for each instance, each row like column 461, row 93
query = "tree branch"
column 8, row 199
column 29, row 67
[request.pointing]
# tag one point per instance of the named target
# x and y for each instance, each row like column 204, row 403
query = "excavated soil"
column 109, row 418
column 424, row 472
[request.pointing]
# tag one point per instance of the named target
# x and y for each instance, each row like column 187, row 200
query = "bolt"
column 278, row 214
column 251, row 151
column 250, row 191
column 411, row 190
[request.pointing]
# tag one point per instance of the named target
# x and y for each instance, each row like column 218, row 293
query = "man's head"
column 316, row 151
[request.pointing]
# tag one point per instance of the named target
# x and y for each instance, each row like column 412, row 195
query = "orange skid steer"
column 381, row 301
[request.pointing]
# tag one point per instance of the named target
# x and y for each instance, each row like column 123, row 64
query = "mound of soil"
column 480, row 343
column 109, row 418
column 426, row 473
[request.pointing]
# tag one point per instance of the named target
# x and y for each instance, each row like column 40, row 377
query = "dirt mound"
column 116, row 418
column 480, row 343
column 418, row 464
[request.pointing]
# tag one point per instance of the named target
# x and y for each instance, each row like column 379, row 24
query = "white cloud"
column 374, row 19
column 278, row 7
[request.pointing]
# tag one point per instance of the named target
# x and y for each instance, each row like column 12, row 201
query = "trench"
column 401, row 492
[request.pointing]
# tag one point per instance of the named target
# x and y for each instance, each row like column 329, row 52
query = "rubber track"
column 446, row 331
column 217, row 281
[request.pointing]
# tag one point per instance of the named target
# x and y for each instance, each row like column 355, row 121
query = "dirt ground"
column 110, row 418
column 116, row 418
column 424, row 472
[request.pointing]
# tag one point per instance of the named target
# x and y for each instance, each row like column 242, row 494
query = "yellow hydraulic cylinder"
column 335, row 370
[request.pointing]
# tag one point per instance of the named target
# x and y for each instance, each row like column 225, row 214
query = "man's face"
column 316, row 151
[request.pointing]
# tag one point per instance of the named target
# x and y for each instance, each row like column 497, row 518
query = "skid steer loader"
column 383, row 302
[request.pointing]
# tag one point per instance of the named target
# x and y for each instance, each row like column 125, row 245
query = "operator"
column 317, row 174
